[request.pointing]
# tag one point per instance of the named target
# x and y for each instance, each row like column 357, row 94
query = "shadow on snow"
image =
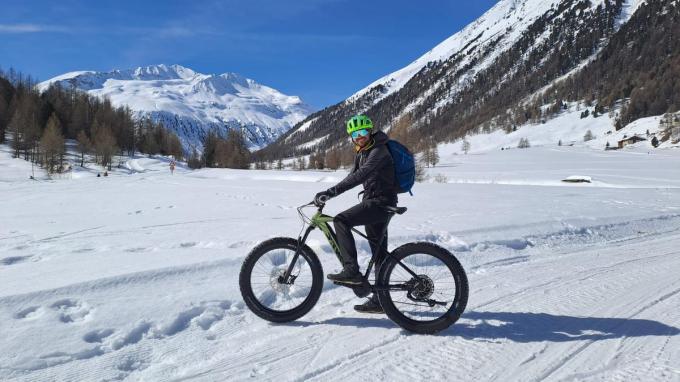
column 527, row 327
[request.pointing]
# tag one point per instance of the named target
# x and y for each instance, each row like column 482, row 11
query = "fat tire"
column 247, row 291
column 460, row 300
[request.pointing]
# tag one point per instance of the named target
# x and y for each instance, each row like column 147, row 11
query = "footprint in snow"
column 132, row 337
column 14, row 260
column 83, row 250
column 131, row 364
column 28, row 313
column 71, row 311
column 96, row 336
column 240, row 244
column 136, row 249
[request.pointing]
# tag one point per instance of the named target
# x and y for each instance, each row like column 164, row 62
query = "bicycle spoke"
column 265, row 280
column 442, row 287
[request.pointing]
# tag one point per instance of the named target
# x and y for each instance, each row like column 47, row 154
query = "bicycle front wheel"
column 433, row 300
column 263, row 288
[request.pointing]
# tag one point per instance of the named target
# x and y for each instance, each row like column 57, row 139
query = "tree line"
column 39, row 123
column 222, row 152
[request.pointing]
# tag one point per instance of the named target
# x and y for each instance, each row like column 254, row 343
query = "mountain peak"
column 162, row 71
column 192, row 103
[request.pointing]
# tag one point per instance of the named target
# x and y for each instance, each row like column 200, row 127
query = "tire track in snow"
column 563, row 361
column 321, row 371
column 572, row 354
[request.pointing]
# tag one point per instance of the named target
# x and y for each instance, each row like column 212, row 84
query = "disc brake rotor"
column 423, row 287
column 274, row 280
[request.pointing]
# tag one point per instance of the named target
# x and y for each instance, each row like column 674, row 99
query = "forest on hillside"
column 37, row 125
column 634, row 69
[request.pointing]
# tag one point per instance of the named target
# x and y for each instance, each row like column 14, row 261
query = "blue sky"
column 321, row 50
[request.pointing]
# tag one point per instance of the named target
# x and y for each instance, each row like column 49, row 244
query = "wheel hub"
column 275, row 281
column 423, row 287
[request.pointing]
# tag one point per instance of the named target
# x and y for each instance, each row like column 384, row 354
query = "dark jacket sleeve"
column 376, row 159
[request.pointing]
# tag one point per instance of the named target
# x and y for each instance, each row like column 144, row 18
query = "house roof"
column 636, row 138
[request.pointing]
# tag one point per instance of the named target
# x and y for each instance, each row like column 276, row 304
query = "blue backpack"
column 404, row 166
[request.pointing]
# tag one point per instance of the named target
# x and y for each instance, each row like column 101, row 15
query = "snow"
column 181, row 97
column 567, row 127
column 313, row 142
column 134, row 276
column 507, row 20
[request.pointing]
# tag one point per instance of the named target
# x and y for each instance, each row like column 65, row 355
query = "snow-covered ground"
column 569, row 130
column 134, row 276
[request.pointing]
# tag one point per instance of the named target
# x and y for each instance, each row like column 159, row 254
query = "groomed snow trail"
column 134, row 277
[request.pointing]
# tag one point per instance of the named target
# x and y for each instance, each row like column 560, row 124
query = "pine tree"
column 466, row 146
column 588, row 136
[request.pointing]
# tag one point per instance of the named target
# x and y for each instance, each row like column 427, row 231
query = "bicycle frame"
column 321, row 221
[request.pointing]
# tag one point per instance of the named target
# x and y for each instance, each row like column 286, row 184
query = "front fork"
column 287, row 277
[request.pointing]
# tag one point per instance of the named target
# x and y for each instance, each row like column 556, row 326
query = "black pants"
column 369, row 213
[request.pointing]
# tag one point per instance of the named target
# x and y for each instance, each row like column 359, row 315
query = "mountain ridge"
column 190, row 103
column 514, row 50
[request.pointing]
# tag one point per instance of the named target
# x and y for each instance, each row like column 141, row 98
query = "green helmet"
column 358, row 122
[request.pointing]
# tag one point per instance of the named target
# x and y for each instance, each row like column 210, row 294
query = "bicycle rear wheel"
column 262, row 286
column 435, row 299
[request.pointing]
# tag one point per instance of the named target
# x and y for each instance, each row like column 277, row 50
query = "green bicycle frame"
column 321, row 221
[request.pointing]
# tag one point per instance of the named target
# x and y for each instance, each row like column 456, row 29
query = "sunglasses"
column 360, row 133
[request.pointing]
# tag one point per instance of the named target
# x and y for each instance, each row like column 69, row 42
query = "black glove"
column 322, row 197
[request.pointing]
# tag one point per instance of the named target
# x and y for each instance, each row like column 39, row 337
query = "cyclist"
column 374, row 168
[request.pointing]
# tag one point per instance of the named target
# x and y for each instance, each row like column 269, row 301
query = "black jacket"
column 374, row 168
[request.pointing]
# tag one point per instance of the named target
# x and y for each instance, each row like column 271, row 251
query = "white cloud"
column 30, row 28
column 20, row 28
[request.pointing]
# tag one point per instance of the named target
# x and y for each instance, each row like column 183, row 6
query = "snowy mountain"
column 191, row 103
column 494, row 73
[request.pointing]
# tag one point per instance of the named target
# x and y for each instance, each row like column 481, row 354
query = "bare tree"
column 84, row 146
column 421, row 175
column 105, row 146
column 52, row 145
column 332, row 160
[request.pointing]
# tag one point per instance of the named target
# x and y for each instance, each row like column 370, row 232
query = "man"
column 374, row 168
